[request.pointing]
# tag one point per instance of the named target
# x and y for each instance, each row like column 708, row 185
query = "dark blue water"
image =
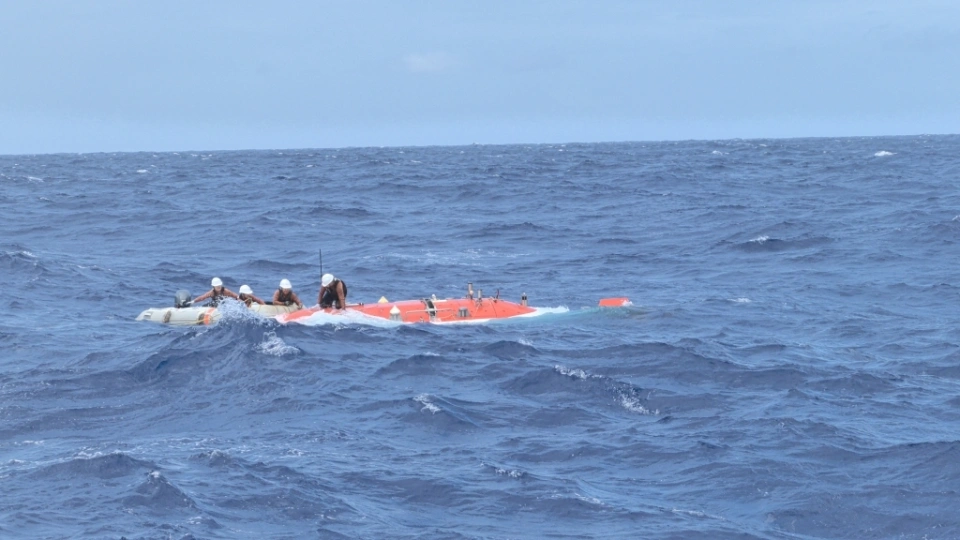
column 790, row 367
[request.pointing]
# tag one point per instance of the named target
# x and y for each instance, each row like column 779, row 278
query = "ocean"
column 789, row 368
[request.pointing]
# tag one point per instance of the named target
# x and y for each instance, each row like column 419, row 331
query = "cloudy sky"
column 84, row 76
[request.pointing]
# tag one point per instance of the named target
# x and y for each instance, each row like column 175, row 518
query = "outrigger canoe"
column 433, row 310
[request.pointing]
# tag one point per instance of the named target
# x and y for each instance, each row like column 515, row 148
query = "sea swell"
column 787, row 368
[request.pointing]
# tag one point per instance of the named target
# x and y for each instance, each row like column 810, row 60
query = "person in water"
column 333, row 292
column 216, row 294
column 285, row 295
column 246, row 296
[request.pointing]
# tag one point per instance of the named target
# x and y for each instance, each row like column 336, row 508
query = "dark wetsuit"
column 216, row 298
column 329, row 297
column 285, row 297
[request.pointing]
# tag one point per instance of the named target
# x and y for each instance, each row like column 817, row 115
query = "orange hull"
column 437, row 310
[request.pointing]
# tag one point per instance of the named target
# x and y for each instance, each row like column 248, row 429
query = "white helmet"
column 285, row 284
column 326, row 280
column 245, row 289
column 215, row 282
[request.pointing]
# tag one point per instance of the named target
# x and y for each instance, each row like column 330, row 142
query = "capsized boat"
column 434, row 310
column 184, row 314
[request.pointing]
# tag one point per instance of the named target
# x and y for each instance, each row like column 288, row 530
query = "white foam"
column 574, row 373
column 234, row 310
column 84, row 454
column 760, row 239
column 322, row 318
column 141, row 171
column 696, row 513
column 36, row 443
column 274, row 346
column 35, row 180
column 92, row 267
column 424, row 399
column 546, row 311
column 633, row 404
column 883, row 153
column 511, row 474
column 717, row 153
column 740, row 300
column 591, row 500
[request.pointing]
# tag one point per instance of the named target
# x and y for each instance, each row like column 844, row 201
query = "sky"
column 107, row 75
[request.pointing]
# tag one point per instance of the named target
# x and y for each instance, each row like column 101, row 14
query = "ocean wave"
column 108, row 466
column 766, row 243
column 797, row 311
column 428, row 406
column 159, row 494
column 274, row 346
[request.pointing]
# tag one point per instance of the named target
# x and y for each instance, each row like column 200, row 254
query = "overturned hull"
column 433, row 310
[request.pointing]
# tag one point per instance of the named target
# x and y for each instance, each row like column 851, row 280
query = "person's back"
column 333, row 292
column 285, row 295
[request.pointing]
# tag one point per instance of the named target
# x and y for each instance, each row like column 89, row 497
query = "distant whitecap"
column 760, row 239
column 883, row 153
column 574, row 373
column 510, row 473
column 424, row 399
column 633, row 404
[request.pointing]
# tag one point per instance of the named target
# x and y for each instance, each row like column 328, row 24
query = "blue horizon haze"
column 180, row 76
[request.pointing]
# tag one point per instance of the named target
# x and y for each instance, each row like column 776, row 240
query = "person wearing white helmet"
column 216, row 294
column 246, row 296
column 285, row 295
column 333, row 292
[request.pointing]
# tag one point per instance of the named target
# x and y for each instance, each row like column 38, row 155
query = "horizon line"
column 381, row 147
